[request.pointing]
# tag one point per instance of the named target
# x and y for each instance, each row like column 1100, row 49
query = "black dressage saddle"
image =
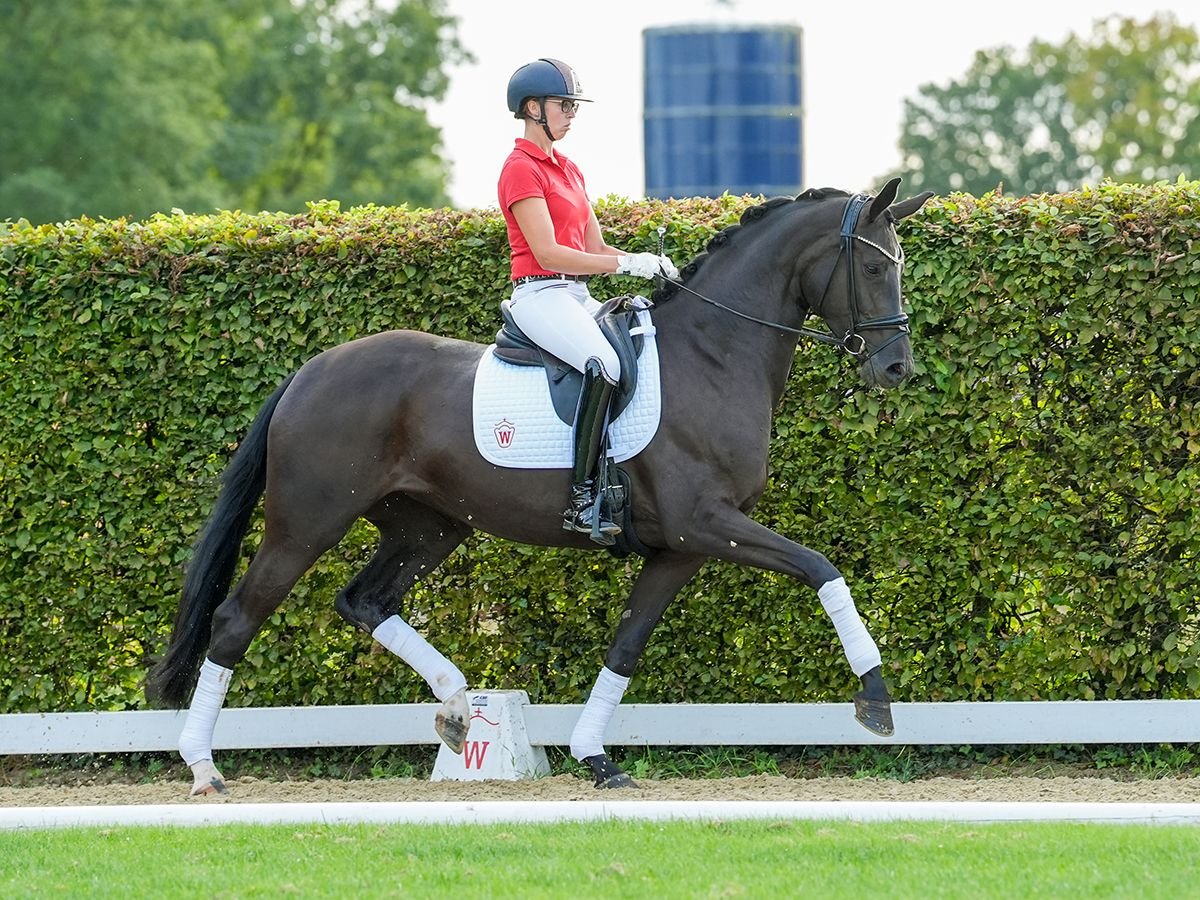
column 615, row 317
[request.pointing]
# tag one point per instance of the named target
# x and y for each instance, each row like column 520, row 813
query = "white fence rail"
column 734, row 724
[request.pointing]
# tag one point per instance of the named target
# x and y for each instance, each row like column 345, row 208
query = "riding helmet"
column 542, row 78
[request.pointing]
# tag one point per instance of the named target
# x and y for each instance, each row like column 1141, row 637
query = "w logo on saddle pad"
column 516, row 426
column 504, row 431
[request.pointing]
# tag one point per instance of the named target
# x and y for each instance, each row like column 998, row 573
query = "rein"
column 847, row 342
column 822, row 336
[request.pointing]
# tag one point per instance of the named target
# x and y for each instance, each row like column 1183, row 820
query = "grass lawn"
column 607, row 859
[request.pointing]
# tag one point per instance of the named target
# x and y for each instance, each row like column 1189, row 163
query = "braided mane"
column 722, row 238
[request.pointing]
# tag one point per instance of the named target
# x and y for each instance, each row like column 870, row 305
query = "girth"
column 617, row 320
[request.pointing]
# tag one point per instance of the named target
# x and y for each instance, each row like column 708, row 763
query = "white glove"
column 646, row 265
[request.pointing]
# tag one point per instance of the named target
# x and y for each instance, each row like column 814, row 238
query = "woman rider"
column 556, row 246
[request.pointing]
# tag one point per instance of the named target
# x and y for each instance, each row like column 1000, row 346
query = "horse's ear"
column 883, row 200
column 906, row 208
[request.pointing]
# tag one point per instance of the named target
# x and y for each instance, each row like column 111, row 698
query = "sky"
column 861, row 60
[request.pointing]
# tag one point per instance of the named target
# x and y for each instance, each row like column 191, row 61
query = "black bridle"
column 852, row 342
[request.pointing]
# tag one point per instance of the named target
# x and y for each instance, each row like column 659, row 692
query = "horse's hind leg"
column 413, row 540
column 276, row 567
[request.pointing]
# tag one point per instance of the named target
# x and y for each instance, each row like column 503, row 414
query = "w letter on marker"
column 474, row 752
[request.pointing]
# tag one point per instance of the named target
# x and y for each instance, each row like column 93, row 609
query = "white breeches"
column 557, row 315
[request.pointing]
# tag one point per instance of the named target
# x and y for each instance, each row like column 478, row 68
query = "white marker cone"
column 497, row 745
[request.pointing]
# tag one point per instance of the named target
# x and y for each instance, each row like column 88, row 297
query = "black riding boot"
column 590, row 421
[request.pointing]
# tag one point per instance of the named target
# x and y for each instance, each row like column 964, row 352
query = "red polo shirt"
column 528, row 172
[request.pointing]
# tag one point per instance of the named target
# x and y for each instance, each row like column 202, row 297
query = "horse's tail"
column 213, row 562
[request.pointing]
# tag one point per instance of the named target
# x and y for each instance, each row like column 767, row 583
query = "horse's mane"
column 721, row 238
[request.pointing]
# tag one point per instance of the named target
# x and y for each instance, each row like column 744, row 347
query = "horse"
column 380, row 428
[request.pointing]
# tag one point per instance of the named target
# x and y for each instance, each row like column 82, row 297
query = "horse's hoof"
column 620, row 780
column 207, row 781
column 453, row 720
column 874, row 715
column 214, row 786
column 607, row 773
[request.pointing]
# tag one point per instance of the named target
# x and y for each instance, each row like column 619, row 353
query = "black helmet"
column 542, row 78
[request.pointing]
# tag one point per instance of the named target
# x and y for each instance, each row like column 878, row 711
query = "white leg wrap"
column 861, row 651
column 443, row 676
column 588, row 737
column 195, row 742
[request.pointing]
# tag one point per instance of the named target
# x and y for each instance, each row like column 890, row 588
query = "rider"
column 556, row 246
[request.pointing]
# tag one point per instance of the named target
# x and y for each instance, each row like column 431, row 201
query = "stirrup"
column 579, row 520
column 581, row 515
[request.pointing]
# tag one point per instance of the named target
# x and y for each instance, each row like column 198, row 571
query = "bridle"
column 852, row 342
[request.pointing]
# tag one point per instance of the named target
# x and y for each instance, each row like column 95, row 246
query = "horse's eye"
column 872, row 269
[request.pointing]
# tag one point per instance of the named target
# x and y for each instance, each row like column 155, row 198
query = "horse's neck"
column 750, row 272
column 742, row 360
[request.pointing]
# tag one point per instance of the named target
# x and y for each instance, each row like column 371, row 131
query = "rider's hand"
column 644, row 265
column 668, row 268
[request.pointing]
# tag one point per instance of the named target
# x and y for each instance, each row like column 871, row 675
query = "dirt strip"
column 568, row 787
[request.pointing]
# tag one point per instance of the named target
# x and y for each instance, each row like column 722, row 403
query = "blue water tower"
column 723, row 110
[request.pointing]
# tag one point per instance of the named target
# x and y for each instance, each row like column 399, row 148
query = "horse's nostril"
column 899, row 370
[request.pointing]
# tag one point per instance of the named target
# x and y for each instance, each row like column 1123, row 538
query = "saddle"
column 616, row 319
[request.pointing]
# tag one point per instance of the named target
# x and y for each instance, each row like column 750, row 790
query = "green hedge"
column 1017, row 522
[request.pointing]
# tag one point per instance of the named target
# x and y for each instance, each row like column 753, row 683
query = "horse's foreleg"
column 873, row 704
column 730, row 535
column 660, row 580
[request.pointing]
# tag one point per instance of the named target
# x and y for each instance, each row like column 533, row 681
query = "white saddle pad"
column 516, row 426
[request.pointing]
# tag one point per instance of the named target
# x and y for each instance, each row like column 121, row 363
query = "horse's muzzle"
column 888, row 372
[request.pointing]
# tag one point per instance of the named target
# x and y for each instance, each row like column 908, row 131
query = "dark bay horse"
column 380, row 428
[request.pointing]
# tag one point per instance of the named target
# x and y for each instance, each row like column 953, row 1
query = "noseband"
column 852, row 342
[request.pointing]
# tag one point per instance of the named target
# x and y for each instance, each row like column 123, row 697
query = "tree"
column 1124, row 104
column 127, row 107
column 324, row 101
column 101, row 110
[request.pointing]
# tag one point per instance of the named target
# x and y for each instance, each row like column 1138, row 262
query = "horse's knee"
column 819, row 570
column 630, row 641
